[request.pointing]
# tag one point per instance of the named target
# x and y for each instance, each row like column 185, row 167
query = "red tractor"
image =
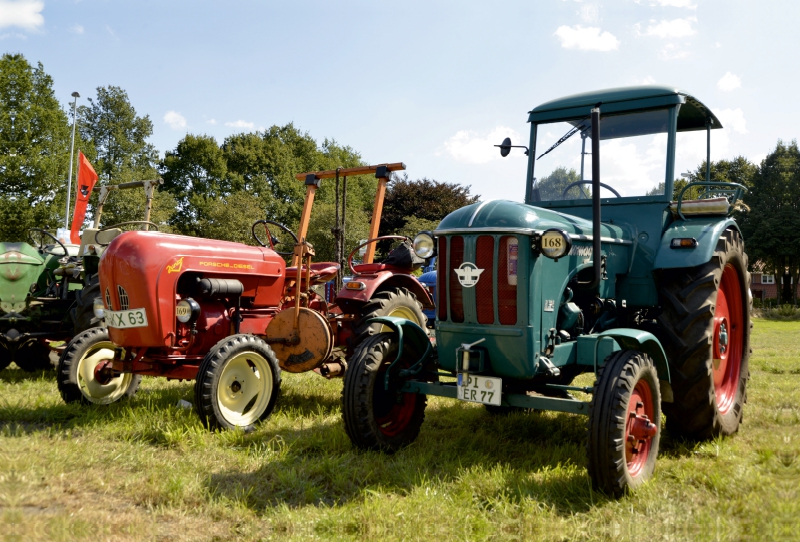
column 231, row 316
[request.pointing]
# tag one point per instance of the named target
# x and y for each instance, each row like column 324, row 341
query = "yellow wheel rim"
column 244, row 389
column 402, row 312
column 92, row 390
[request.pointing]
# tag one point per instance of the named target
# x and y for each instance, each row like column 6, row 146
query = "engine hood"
column 20, row 266
column 507, row 216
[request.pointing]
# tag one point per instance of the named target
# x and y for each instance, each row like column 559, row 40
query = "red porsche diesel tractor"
column 231, row 316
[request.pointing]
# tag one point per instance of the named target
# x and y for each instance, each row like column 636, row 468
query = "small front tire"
column 376, row 418
column 81, row 376
column 624, row 423
column 238, row 383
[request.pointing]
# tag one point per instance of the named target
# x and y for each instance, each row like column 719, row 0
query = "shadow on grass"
column 477, row 456
column 13, row 375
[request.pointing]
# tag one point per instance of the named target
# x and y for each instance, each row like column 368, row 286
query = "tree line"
column 211, row 189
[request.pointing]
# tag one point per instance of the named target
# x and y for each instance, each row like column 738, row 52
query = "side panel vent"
column 484, row 290
column 507, row 280
column 441, row 279
column 124, row 302
column 456, row 298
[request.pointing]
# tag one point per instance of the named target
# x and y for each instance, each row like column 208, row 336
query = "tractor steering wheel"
column 272, row 240
column 117, row 225
column 40, row 245
column 576, row 183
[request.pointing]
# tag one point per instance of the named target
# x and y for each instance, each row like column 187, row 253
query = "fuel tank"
column 143, row 270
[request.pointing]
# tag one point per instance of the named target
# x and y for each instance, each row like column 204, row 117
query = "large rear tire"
column 81, row 376
column 238, row 383
column 33, row 356
column 395, row 301
column 5, row 357
column 705, row 324
column 82, row 314
column 376, row 418
column 624, row 423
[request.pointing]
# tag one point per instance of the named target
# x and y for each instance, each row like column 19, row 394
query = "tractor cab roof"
column 691, row 116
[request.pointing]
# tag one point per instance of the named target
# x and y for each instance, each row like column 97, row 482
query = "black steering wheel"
column 40, row 245
column 272, row 239
column 577, row 183
column 117, row 225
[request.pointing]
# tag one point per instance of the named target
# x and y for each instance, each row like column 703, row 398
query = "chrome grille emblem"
column 123, row 298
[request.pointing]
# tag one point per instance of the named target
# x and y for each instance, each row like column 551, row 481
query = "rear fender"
column 705, row 230
column 406, row 330
column 382, row 280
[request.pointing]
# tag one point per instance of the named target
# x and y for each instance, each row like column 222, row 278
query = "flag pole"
column 71, row 152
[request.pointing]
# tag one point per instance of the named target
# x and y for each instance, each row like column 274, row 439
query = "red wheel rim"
column 639, row 428
column 727, row 348
column 393, row 416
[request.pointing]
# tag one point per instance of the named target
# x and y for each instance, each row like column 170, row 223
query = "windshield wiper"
column 578, row 128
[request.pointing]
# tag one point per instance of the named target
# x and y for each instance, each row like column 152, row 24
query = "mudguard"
column 406, row 330
column 707, row 230
column 389, row 278
column 636, row 339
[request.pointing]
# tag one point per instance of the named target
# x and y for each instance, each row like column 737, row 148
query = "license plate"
column 479, row 389
column 126, row 319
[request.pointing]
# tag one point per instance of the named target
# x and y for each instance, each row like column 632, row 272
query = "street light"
column 71, row 152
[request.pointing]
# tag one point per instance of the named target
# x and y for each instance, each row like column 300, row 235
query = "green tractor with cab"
column 612, row 278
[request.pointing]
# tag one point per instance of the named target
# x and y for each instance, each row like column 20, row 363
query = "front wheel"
column 624, row 423
column 83, row 371
column 238, row 383
column 376, row 418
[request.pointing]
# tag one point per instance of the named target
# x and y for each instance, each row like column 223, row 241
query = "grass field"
column 146, row 469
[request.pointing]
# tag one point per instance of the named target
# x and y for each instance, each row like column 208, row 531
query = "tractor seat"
column 370, row 268
column 321, row 272
column 708, row 206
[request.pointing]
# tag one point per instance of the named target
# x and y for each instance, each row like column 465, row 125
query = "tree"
column 552, row 186
column 424, row 199
column 34, row 150
column 771, row 224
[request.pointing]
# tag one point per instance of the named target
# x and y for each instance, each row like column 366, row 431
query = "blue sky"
column 433, row 84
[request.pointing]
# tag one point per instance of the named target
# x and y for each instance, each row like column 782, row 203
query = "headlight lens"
column 555, row 243
column 98, row 307
column 187, row 310
column 424, row 245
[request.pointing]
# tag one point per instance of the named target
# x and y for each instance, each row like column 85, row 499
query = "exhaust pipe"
column 597, row 256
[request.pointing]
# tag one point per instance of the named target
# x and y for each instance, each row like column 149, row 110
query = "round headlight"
column 424, row 245
column 555, row 243
column 187, row 310
column 98, row 307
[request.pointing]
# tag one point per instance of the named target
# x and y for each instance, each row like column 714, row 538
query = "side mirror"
column 505, row 147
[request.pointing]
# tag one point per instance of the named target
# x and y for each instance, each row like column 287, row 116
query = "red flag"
column 86, row 180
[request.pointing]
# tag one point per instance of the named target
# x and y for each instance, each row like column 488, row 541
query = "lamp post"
column 71, row 152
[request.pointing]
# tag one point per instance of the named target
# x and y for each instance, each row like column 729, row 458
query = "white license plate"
column 479, row 389
column 126, row 319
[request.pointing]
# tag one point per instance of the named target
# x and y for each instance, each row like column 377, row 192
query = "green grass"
column 146, row 469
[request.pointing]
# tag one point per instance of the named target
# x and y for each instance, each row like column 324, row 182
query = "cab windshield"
column 633, row 149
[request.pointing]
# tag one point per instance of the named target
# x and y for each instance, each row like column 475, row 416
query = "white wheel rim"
column 402, row 312
column 244, row 389
column 92, row 390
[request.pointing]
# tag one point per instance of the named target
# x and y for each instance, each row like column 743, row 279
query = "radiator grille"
column 123, row 298
column 507, row 280
column 108, row 300
column 484, row 290
column 441, row 279
column 454, row 287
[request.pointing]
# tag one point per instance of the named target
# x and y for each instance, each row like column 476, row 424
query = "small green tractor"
column 612, row 278
column 48, row 287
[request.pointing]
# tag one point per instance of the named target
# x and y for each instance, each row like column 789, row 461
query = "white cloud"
column 25, row 14
column 241, row 124
column 676, row 3
column 211, row 121
column 649, row 80
column 729, row 82
column 175, row 120
column 676, row 28
column 469, row 147
column 672, row 52
column 733, row 119
column 589, row 13
column 586, row 39
column 76, row 29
